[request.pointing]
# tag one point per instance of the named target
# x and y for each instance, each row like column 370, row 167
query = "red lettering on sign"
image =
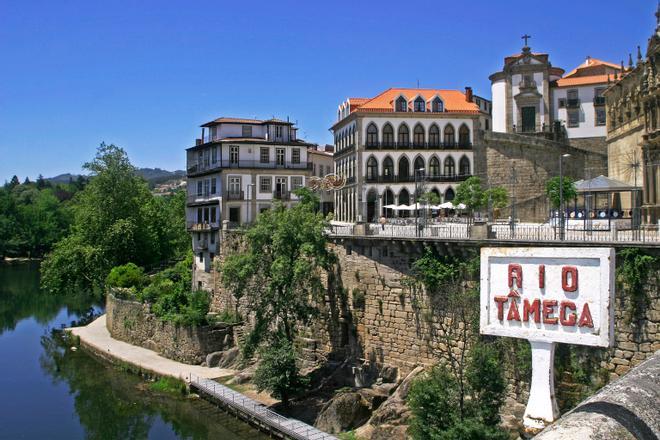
column 515, row 273
column 534, row 308
column 500, row 300
column 542, row 276
column 585, row 318
column 548, row 311
column 562, row 313
column 573, row 272
column 513, row 315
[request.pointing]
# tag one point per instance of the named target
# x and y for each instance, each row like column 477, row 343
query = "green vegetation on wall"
column 632, row 276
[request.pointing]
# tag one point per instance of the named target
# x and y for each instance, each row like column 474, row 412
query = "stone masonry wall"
column 133, row 322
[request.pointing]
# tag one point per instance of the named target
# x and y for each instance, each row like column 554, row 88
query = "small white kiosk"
column 547, row 295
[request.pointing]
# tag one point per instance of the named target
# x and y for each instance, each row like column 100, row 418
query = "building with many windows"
column 384, row 144
column 236, row 169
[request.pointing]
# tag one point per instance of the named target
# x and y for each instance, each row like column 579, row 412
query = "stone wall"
column 595, row 149
column 535, row 160
column 133, row 322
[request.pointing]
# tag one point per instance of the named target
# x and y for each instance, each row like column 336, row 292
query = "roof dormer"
column 437, row 104
column 419, row 104
column 401, row 104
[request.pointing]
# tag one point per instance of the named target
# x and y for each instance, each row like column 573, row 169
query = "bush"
column 127, row 275
column 229, row 317
column 277, row 372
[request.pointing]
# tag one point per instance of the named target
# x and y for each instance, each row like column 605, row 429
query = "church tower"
column 521, row 92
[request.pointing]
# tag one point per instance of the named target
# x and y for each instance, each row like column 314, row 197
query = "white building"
column 531, row 96
column 237, row 169
column 383, row 143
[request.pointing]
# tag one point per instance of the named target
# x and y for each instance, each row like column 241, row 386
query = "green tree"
column 279, row 270
column 277, row 372
column 14, row 181
column 471, row 194
column 552, row 190
column 430, row 198
column 497, row 197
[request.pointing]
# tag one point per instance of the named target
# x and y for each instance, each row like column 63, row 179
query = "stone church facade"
column 633, row 128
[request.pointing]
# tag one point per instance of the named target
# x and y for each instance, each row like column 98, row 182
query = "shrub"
column 127, row 275
column 358, row 298
column 228, row 316
column 277, row 372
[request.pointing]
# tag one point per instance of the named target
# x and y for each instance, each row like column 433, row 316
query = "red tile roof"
column 582, row 80
column 592, row 71
column 454, row 100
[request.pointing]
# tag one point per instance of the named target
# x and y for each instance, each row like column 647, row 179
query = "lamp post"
column 561, row 195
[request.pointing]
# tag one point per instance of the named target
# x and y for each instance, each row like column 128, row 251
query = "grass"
column 349, row 435
column 169, row 385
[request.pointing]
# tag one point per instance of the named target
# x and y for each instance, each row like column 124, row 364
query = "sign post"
column 547, row 295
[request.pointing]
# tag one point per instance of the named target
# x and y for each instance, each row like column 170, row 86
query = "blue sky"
column 145, row 74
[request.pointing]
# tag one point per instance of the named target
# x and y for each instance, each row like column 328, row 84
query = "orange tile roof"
column 454, row 100
column 582, row 80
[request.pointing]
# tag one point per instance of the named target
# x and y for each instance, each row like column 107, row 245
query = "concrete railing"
column 625, row 409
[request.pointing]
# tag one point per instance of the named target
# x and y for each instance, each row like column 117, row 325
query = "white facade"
column 589, row 124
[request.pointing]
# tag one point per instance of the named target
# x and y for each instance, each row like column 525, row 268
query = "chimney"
column 198, row 141
column 329, row 148
column 468, row 94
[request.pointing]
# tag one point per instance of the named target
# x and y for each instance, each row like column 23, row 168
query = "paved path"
column 96, row 336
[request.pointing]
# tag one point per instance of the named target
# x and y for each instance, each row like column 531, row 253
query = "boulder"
column 344, row 412
column 389, row 374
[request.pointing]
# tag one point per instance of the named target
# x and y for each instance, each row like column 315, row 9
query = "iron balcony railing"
column 204, row 197
column 411, row 178
column 219, row 165
column 202, row 226
column 234, row 195
column 282, row 195
column 572, row 103
column 461, row 145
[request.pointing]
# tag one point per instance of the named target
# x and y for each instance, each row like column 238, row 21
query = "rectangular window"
column 265, row 185
column 213, row 215
column 214, row 188
column 296, row 182
column 212, row 237
column 601, row 119
column 200, row 217
column 214, row 155
column 199, row 188
column 321, row 171
column 295, row 155
column 235, row 214
column 572, row 100
column 574, row 118
column 599, row 99
column 201, row 257
column 233, row 154
column 247, row 131
column 279, row 156
column 278, row 131
column 264, row 155
column 207, row 187
column 234, row 185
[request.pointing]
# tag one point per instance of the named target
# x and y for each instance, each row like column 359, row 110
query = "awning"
column 603, row 184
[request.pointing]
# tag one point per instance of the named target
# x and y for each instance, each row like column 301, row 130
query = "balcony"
column 411, row 178
column 234, row 195
column 201, row 198
column 282, row 195
column 527, row 84
column 599, row 100
column 436, row 145
column 266, row 165
column 201, row 226
column 198, row 168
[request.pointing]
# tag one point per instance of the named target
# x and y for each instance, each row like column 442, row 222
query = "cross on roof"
column 526, row 37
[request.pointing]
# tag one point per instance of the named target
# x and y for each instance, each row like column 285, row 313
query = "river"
column 48, row 391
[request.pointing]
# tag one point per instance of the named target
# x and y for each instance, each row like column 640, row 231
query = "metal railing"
column 191, row 198
column 234, row 195
column 201, row 226
column 206, row 167
column 448, row 145
column 446, row 229
column 282, row 195
column 256, row 412
column 410, row 178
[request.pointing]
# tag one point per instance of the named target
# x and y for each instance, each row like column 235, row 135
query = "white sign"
column 548, row 294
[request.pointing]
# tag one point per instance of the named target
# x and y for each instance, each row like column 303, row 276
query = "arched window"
column 372, row 135
column 372, row 168
column 449, row 195
column 434, row 136
column 404, row 169
column 436, row 192
column 464, row 136
column 418, row 136
column 450, row 139
column 434, row 167
column 388, row 168
column 464, row 166
column 420, row 170
column 388, row 135
column 450, row 166
column 388, row 199
column 437, row 105
column 404, row 197
column 420, row 104
column 401, row 104
column 403, row 138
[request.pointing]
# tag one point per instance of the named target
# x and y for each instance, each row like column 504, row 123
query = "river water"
column 48, row 391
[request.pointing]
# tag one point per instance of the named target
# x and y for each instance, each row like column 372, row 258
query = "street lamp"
column 561, row 195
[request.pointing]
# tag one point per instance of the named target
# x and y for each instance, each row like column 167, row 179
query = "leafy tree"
column 497, row 196
column 552, row 190
column 471, row 194
column 14, row 181
column 278, row 271
column 116, row 220
column 277, row 372
column 126, row 275
column 430, row 198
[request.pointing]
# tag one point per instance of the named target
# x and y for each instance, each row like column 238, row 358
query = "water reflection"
column 51, row 391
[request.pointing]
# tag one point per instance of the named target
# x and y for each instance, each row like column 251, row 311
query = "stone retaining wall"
column 133, row 322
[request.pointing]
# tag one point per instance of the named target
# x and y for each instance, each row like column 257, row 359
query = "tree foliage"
column 552, row 190
column 472, row 194
column 116, row 220
column 277, row 372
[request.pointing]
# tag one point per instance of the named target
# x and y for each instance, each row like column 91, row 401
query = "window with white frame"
column 233, row 154
column 420, row 104
column 296, row 182
column 199, row 188
column 214, row 188
column 295, row 155
column 573, row 118
column 601, row 117
column 279, row 156
column 234, row 185
column 264, row 155
column 265, row 184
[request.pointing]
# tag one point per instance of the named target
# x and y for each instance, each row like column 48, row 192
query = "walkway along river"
column 49, row 391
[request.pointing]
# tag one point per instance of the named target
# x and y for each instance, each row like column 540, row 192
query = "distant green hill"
column 154, row 176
